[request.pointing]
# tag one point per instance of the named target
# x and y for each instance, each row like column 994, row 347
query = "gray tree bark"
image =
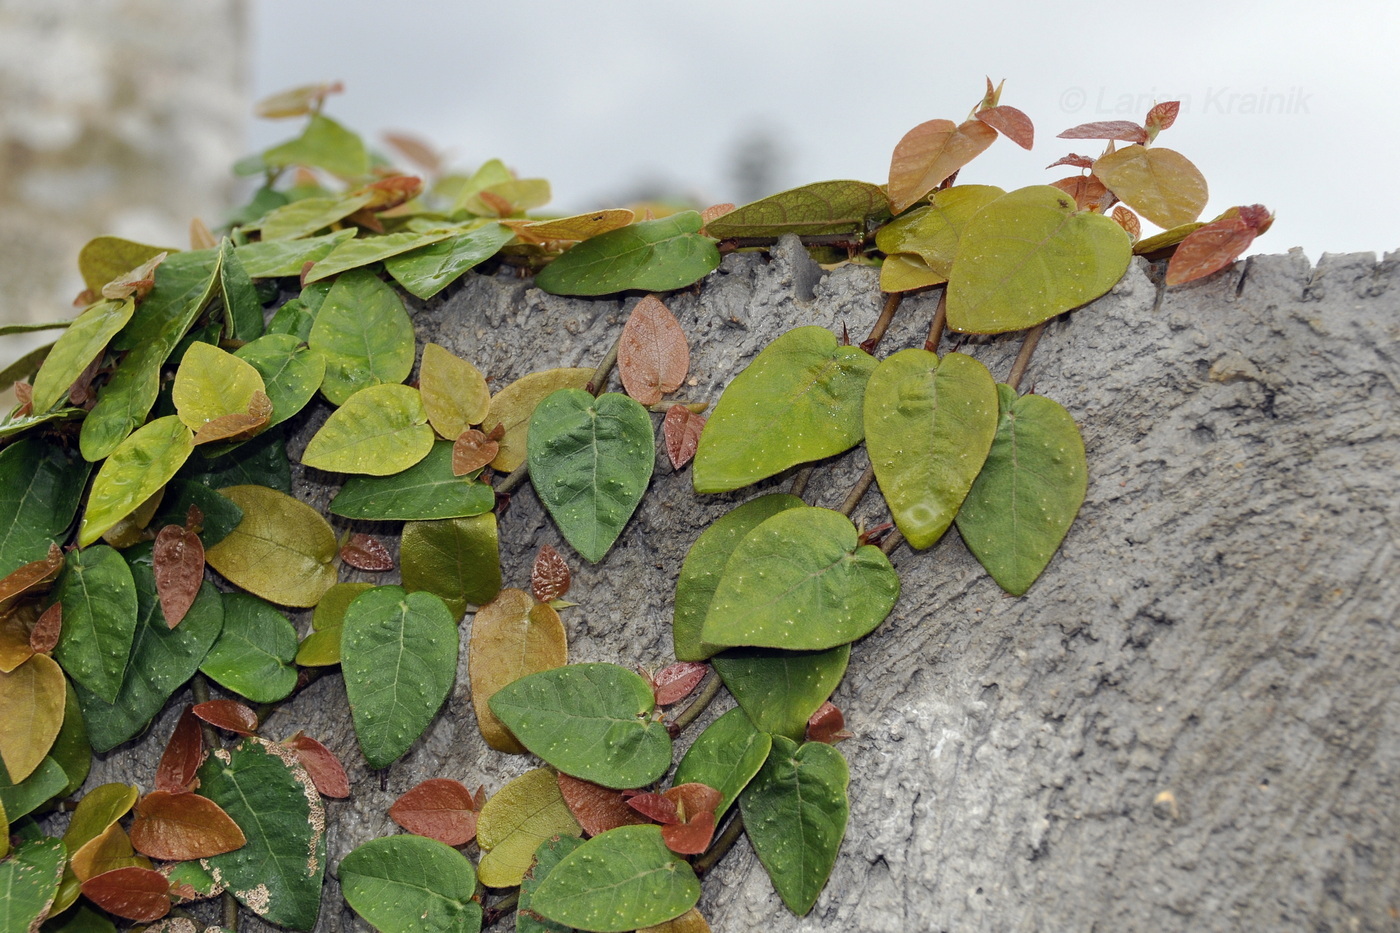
column 1190, row 722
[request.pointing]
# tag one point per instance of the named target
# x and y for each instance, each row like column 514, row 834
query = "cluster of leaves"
column 159, row 417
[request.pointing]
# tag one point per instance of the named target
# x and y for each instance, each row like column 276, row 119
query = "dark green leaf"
column 821, row 208
column 795, row 814
column 620, row 880
column 260, row 462
column 780, row 690
column 799, row 400
column 398, row 652
column 220, row 515
column 590, row 462
column 653, row 255
column 406, row 884
column 41, row 484
column 254, row 653
column 278, row 873
column 455, row 559
column 364, row 334
column 243, row 313
column 276, row 258
column 725, row 756
column 427, row 270
column 41, row 785
column 28, row 882
column 99, row 619
column 72, row 750
column 550, row 853
column 426, row 490
column 592, row 721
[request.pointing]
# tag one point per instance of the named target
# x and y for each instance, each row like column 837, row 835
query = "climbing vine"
column 150, row 537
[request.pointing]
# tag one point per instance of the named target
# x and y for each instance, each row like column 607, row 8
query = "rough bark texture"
column 1191, row 722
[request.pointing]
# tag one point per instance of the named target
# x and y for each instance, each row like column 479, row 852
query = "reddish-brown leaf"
column 178, row 563
column 1078, row 161
column 827, row 725
column 194, row 519
column 238, row 425
column 1125, row 130
column 138, row 281
column 177, row 827
column 496, row 202
column 326, row 771
column 44, row 635
column 597, row 808
column 655, row 807
column 691, row 837
column 297, row 101
column 930, row 153
column 1257, row 216
column 416, row 150
column 1128, row 221
column 681, row 429
column 1088, row 192
column 200, row 235
column 1162, row 116
column 139, row 894
column 229, row 715
column 1213, row 247
column 652, row 355
column 674, row 682
column 550, row 577
column 31, row 576
column 1011, row 123
column 24, row 394
column 183, row 755
column 473, row 450
column 80, row 393
column 366, row 552
column 715, row 212
column 388, row 193
column 439, row 808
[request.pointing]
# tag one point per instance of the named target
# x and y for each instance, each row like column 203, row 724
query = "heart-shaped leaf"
column 512, row 636
column 681, row 428
column 590, row 462
column 439, row 808
column 780, row 690
column 550, row 853
column 512, row 407
column 931, row 152
column 291, row 372
column 590, row 720
column 78, row 346
column 456, row 559
column 398, row 652
column 181, row 826
column 513, row 823
column 140, row 465
column 799, row 400
column 622, row 880
column 1160, row 184
column 825, row 207
column 253, row 656
column 454, row 391
column 379, row 430
column 428, row 489
column 1024, row 500
column 408, row 884
column 98, row 597
column 1028, row 256
column 323, row 144
column 795, row 813
column 364, row 334
column 653, row 255
column 933, row 232
column 725, row 756
column 801, row 580
column 928, row 426
column 278, row 873
column 282, row 550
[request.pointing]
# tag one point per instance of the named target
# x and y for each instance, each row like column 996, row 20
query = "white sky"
column 1284, row 103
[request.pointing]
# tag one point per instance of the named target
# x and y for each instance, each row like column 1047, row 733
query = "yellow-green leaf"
column 512, row 407
column 1160, row 184
column 282, row 550
column 80, row 344
column 211, row 383
column 304, row 217
column 932, row 231
column 32, row 696
column 824, row 207
column 103, row 259
column 514, row 822
column 364, row 334
column 379, row 430
column 140, row 465
column 454, row 391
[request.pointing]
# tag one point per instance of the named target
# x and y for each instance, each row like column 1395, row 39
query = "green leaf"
column 291, row 373
column 322, row 647
column 282, row 550
column 220, row 515
column 278, row 873
column 254, row 653
column 512, row 407
column 425, row 271
column 704, row 563
column 933, row 232
column 211, row 383
column 17, row 426
column 306, row 216
column 426, row 490
column 41, row 484
column 928, row 426
column 323, row 144
column 8, row 330
column 80, row 344
column 243, row 312
column 795, row 814
column 801, row 580
column 780, row 690
column 590, row 463
column 270, row 259
column 41, row 785
column 811, row 210
column 380, row 430
column 455, row 559
column 160, row 662
column 259, row 462
column 592, row 721
column 1029, row 491
column 619, row 880
column 364, row 334
column 398, row 652
column 550, row 853
column 352, row 254
column 28, row 882
column 653, row 255
column 184, row 285
column 799, row 400
column 99, row 618
column 139, row 466
column 407, row 884
column 513, row 823
column 72, row 750
column 725, row 756
column 1160, row 184
column 86, row 920
column 104, row 258
column 1028, row 256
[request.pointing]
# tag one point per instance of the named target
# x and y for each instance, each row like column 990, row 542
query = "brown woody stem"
column 721, row 846
column 599, row 380
column 857, row 491
column 882, row 323
column 892, row 540
column 940, row 320
column 1023, row 359
column 697, row 706
column 800, row 481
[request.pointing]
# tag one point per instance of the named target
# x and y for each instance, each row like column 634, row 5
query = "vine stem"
column 721, row 846
column 858, row 491
column 200, row 688
column 940, row 321
column 697, row 706
column 882, row 323
column 1023, row 359
column 499, row 909
column 800, row 481
column 847, row 240
column 892, row 540
column 230, row 912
